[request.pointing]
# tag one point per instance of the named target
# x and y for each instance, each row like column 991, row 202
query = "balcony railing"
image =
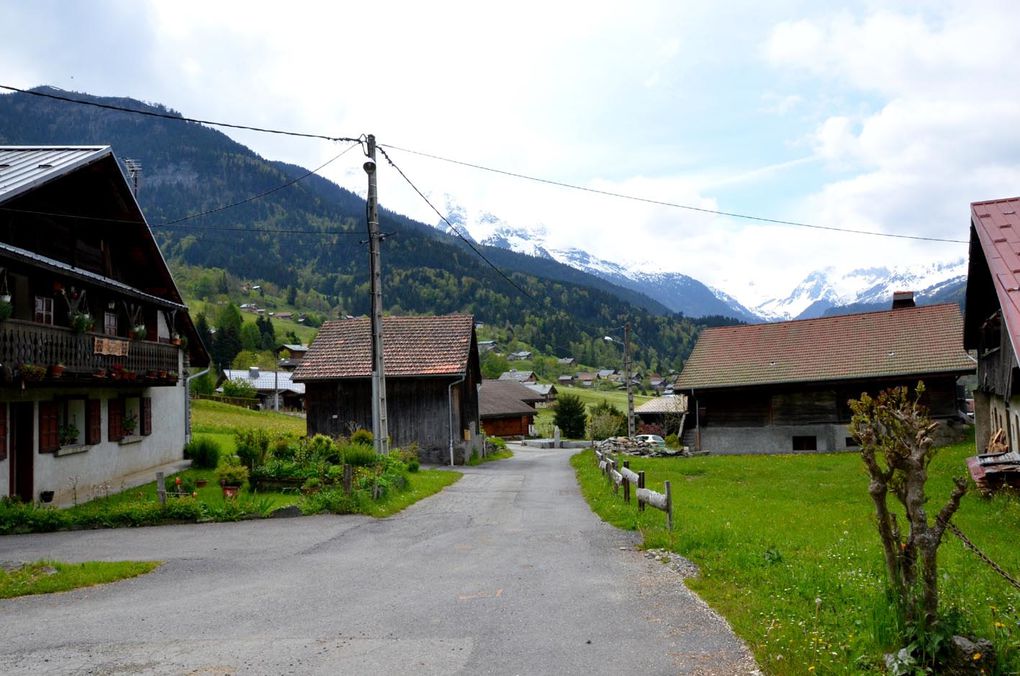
column 84, row 356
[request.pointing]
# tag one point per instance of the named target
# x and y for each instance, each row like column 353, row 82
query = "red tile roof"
column 997, row 223
column 903, row 342
column 413, row 347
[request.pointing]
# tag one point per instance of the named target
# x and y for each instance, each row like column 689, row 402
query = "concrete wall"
column 108, row 461
column 778, row 439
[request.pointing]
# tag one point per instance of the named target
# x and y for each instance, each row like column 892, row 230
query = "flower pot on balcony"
column 56, row 370
column 31, row 372
column 6, row 309
column 99, row 373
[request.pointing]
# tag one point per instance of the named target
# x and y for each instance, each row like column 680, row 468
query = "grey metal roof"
column 266, row 381
column 25, row 167
column 68, row 269
column 667, row 403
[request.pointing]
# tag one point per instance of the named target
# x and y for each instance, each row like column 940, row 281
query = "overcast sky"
column 881, row 116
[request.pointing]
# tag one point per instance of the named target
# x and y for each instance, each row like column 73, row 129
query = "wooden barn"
column 432, row 378
column 782, row 387
column 506, row 408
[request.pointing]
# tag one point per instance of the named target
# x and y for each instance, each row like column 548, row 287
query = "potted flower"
column 68, row 434
column 81, row 322
column 130, row 423
column 56, row 370
column 138, row 332
column 231, row 474
column 32, row 372
column 6, row 307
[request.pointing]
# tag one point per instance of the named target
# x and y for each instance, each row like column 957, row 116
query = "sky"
column 878, row 116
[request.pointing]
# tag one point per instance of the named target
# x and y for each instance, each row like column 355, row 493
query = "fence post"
column 641, row 484
column 348, row 478
column 626, row 483
column 161, row 488
column 669, row 506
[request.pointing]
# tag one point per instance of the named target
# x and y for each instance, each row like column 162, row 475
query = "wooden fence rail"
column 626, row 477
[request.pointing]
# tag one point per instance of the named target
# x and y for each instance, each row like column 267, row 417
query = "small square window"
column 805, row 443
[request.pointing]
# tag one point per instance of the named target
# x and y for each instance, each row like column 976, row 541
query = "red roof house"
column 784, row 387
column 992, row 323
column 432, row 377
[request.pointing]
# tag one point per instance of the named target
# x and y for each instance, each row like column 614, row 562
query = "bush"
column 363, row 437
column 204, row 453
column 239, row 388
column 324, row 448
column 409, row 456
column 252, row 446
column 231, row 472
column 335, row 501
column 359, row 455
column 672, row 441
column 570, row 416
column 498, row 445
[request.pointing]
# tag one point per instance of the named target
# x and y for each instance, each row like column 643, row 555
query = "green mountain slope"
column 310, row 235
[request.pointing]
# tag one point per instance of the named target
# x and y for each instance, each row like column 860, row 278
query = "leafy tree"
column 204, row 334
column 493, row 365
column 605, row 420
column 570, row 416
column 236, row 387
column 204, row 384
column 894, row 432
column 227, row 341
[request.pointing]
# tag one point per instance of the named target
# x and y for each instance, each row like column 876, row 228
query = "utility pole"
column 380, row 428
column 626, row 374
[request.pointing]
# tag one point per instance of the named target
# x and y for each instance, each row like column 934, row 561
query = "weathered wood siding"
column 418, row 409
column 810, row 404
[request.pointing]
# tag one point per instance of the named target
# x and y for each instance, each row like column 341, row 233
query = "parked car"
column 652, row 439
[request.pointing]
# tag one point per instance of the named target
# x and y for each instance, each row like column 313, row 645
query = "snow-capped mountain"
column 823, row 292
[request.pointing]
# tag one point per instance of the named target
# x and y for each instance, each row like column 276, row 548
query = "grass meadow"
column 789, row 555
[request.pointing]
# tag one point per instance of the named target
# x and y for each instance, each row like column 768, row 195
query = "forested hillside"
column 309, row 236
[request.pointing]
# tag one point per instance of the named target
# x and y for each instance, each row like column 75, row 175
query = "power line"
column 179, row 118
column 452, row 227
column 259, row 195
column 674, row 205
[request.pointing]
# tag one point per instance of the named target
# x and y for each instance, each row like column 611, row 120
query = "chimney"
column 253, row 372
column 902, row 299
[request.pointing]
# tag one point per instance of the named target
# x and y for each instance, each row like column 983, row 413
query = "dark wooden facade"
column 811, row 403
column 513, row 426
column 418, row 410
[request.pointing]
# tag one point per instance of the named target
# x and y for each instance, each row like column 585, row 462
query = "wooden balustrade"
column 88, row 355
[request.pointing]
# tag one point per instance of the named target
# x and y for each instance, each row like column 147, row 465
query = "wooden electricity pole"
column 626, row 374
column 380, row 428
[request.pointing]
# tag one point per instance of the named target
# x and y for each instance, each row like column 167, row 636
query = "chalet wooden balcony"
column 31, row 352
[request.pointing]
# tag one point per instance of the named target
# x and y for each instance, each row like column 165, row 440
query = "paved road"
column 505, row 572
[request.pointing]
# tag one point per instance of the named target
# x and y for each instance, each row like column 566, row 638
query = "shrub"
column 252, row 446
column 672, row 441
column 570, row 416
column 324, row 448
column 335, row 501
column 409, row 456
column 498, row 445
column 231, row 472
column 284, row 448
column 359, row 455
column 204, row 453
column 239, row 388
column 363, row 437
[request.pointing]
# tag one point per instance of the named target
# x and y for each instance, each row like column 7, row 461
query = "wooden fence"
column 627, row 478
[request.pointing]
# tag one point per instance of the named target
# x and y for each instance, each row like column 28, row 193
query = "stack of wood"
column 629, row 446
column 997, row 466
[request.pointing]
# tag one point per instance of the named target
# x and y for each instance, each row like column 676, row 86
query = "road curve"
column 505, row 572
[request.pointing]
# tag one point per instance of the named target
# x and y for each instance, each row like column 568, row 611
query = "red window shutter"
column 49, row 440
column 115, row 409
column 94, row 416
column 3, row 431
column 145, row 410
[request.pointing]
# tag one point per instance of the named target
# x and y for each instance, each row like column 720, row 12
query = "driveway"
column 505, row 572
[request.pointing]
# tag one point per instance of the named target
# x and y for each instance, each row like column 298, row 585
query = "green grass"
column 789, row 554
column 475, row 460
column 217, row 417
column 46, row 577
column 421, row 485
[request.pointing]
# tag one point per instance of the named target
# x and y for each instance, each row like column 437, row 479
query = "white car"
column 652, row 439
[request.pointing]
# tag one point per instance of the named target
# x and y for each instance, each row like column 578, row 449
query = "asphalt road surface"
column 505, row 572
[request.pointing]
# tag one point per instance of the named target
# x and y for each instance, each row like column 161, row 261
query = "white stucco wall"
column 108, row 461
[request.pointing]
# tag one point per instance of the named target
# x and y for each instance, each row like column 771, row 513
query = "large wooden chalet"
column 506, row 408
column 782, row 387
column 92, row 368
column 432, row 378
